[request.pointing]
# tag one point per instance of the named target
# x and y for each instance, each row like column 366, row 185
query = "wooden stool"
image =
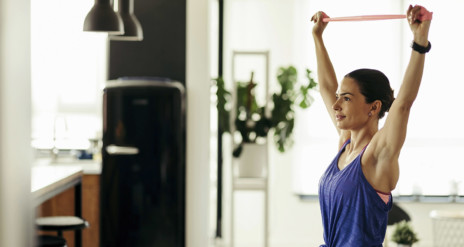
column 61, row 223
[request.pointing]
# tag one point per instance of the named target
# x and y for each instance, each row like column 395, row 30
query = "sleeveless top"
column 353, row 214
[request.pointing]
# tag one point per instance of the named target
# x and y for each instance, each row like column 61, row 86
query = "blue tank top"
column 353, row 214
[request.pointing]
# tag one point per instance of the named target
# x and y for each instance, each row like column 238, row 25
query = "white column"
column 198, row 83
column 16, row 227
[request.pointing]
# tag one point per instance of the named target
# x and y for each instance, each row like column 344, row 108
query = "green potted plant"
column 251, row 120
column 404, row 235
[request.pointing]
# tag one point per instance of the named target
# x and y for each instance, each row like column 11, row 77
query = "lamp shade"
column 132, row 28
column 102, row 18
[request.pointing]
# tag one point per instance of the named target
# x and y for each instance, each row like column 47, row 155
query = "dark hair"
column 374, row 85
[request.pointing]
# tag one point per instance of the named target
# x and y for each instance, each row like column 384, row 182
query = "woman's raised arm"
column 325, row 72
column 393, row 134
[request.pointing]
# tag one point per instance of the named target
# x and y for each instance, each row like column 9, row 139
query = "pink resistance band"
column 424, row 15
column 364, row 18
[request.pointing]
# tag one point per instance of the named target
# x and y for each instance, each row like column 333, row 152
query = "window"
column 68, row 74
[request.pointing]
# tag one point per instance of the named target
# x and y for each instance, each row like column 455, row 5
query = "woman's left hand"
column 419, row 19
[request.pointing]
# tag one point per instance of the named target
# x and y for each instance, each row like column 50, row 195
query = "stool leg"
column 78, row 238
column 78, row 212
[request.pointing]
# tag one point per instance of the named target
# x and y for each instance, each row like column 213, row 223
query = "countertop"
column 48, row 181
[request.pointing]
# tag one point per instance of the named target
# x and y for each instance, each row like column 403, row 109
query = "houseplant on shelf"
column 404, row 235
column 252, row 122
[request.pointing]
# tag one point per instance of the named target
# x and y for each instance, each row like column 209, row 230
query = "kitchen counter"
column 48, row 181
column 74, row 186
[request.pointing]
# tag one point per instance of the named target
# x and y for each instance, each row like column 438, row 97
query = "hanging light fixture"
column 102, row 18
column 132, row 28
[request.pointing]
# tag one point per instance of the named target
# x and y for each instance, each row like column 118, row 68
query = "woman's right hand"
column 319, row 25
column 419, row 21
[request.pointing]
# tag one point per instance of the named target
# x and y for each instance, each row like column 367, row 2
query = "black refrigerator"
column 142, row 186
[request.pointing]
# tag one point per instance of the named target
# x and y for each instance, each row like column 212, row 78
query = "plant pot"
column 252, row 162
column 404, row 245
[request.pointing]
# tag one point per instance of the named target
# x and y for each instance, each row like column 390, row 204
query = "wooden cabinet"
column 63, row 204
column 91, row 210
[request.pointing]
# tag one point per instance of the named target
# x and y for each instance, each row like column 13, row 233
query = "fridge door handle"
column 121, row 150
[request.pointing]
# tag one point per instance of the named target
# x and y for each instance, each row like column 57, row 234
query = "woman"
column 355, row 190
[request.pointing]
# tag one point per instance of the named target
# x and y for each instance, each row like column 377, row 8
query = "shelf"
column 250, row 183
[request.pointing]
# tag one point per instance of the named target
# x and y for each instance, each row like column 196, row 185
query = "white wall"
column 15, row 151
column 198, row 128
column 293, row 222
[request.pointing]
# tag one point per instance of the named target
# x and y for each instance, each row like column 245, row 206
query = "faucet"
column 55, row 150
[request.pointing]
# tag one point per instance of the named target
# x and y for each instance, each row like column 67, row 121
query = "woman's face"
column 351, row 109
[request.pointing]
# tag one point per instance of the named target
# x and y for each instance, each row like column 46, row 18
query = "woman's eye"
column 347, row 99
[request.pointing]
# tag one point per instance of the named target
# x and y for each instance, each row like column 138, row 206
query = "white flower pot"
column 404, row 245
column 252, row 161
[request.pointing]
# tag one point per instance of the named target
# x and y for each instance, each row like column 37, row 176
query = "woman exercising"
column 355, row 190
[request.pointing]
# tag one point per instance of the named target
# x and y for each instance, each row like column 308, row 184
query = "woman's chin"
column 341, row 126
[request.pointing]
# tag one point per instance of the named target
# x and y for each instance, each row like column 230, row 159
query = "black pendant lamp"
column 102, row 18
column 132, row 28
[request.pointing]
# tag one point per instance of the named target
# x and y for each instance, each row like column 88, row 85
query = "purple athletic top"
column 353, row 214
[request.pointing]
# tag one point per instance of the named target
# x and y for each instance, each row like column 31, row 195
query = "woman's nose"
column 336, row 106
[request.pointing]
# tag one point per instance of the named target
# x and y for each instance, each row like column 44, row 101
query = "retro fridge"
column 142, row 196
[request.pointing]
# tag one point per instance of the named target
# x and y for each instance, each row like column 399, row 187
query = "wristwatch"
column 421, row 49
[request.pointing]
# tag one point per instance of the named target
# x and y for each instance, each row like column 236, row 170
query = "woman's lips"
column 339, row 117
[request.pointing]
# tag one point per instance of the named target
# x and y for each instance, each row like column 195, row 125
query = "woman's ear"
column 376, row 106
